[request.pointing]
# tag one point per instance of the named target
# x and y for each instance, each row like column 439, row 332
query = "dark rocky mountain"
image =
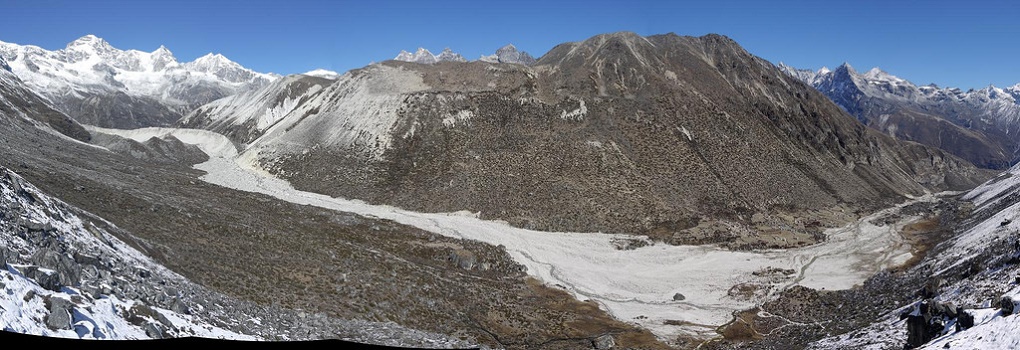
column 687, row 139
column 976, row 125
column 98, row 84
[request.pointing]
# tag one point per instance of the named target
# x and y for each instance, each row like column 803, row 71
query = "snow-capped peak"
column 213, row 60
column 879, row 74
column 404, row 56
column 449, row 55
column 162, row 51
column 824, row 70
column 89, row 41
column 424, row 56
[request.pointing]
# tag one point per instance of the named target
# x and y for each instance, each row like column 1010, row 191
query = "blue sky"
column 967, row 44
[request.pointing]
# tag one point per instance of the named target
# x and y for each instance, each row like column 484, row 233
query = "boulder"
column 463, row 258
column 4, row 254
column 1007, row 305
column 917, row 332
column 45, row 278
column 179, row 307
column 603, row 342
column 678, row 297
column 964, row 321
column 68, row 271
column 60, row 314
column 154, row 331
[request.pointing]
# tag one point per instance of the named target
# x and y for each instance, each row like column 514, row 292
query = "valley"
column 636, row 285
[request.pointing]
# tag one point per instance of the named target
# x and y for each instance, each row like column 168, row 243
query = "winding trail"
column 633, row 285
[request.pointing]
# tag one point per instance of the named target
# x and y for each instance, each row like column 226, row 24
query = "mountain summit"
column 509, row 54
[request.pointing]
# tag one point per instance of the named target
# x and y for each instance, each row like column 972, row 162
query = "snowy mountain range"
column 978, row 125
column 98, row 84
column 505, row 54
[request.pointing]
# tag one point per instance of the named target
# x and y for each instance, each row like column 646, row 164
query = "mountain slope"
column 17, row 101
column 977, row 125
column 97, row 84
column 243, row 117
column 686, row 139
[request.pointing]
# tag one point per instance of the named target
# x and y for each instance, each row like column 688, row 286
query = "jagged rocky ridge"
column 425, row 57
column 977, row 125
column 690, row 140
column 96, row 83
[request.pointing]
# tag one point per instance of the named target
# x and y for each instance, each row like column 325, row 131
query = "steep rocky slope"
column 977, row 125
column 690, row 140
